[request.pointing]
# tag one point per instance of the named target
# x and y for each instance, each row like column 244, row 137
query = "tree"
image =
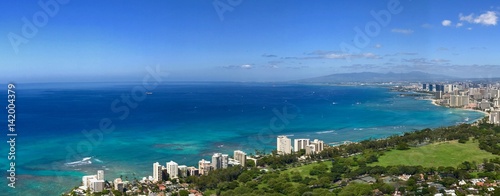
column 403, row 146
column 244, row 177
column 356, row 189
column 183, row 193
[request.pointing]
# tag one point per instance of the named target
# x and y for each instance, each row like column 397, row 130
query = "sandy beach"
column 434, row 102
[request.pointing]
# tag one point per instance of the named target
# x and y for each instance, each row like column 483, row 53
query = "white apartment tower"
column 204, row 167
column 100, row 174
column 310, row 149
column 96, row 186
column 318, row 145
column 219, row 161
column 495, row 117
column 172, row 169
column 284, row 145
column 240, row 156
column 299, row 144
column 225, row 160
column 118, row 184
column 156, row 172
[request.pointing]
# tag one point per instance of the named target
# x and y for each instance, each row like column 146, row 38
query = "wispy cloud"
column 244, row 66
column 322, row 54
column 378, row 46
column 298, row 67
column 487, row 19
column 402, row 54
column 402, row 31
column 425, row 61
column 351, row 56
column 355, row 67
column 269, row 55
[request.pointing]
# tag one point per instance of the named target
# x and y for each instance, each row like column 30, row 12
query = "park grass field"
column 305, row 169
column 445, row 154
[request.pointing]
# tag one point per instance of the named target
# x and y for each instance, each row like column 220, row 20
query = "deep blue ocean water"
column 186, row 122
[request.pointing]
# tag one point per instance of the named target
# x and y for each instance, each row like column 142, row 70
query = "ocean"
column 124, row 130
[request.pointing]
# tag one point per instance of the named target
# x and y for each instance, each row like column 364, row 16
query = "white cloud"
column 402, row 31
column 378, row 46
column 459, row 24
column 246, row 66
column 347, row 55
column 470, row 28
column 446, row 23
column 468, row 18
column 487, row 19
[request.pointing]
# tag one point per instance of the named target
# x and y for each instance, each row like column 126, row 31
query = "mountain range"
column 414, row 76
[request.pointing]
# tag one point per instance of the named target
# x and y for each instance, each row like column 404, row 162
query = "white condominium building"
column 299, row 144
column 240, row 156
column 284, row 145
column 156, row 172
column 172, row 169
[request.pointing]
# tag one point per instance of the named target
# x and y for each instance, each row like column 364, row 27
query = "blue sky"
column 244, row 40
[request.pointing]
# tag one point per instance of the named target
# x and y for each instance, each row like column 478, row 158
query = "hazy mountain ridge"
column 415, row 76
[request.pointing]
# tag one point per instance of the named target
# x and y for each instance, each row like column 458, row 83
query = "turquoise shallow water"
column 186, row 122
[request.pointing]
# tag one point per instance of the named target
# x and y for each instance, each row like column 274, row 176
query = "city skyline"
column 57, row 41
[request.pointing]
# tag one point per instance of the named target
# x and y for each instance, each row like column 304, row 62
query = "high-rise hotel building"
column 299, row 144
column 284, row 145
column 240, row 156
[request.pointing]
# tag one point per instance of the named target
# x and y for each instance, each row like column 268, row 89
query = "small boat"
column 149, row 93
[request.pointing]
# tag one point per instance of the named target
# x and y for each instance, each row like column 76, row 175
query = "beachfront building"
column 495, row 117
column 96, row 185
column 86, row 181
column 219, row 161
column 299, row 144
column 241, row 157
column 118, row 183
column 284, row 145
column 156, row 172
column 93, row 182
column 100, row 174
column 172, row 169
column 484, row 104
column 459, row 100
column 204, row 167
column 310, row 149
column 318, row 145
column 182, row 171
column 193, row 171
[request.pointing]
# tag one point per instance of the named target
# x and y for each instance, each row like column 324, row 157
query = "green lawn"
column 434, row 155
column 305, row 169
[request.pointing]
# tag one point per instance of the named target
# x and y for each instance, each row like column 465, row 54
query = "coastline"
column 112, row 140
column 434, row 102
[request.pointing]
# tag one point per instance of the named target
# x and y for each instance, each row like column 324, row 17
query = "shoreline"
column 434, row 102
